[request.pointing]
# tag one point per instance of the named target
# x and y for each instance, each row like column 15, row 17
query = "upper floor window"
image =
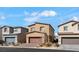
column 78, row 26
column 65, row 28
column 15, row 30
column 42, row 29
column 5, row 29
column 32, row 29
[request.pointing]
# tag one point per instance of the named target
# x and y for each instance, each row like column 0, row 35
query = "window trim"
column 15, row 30
column 5, row 29
column 65, row 28
column 78, row 27
column 42, row 28
column 33, row 29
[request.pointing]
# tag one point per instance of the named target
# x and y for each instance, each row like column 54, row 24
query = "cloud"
column 48, row 13
column 14, row 15
column 35, row 16
column 31, row 16
column 75, row 18
column 2, row 17
column 31, row 19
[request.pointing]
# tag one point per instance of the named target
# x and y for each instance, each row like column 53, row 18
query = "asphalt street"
column 32, row 50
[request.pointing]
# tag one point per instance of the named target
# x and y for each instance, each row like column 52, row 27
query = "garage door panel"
column 35, row 39
column 69, row 40
column 10, row 39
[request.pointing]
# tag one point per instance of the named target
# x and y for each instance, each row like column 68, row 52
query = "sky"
column 24, row 16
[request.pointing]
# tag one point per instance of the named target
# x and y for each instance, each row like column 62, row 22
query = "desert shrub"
column 46, row 45
column 41, row 45
column 57, row 44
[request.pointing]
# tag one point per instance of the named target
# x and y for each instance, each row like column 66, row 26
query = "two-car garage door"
column 35, row 39
column 10, row 39
column 70, row 40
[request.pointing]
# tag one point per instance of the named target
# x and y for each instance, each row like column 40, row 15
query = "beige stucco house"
column 40, row 33
column 69, row 32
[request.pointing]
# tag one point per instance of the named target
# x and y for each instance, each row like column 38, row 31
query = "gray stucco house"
column 13, row 35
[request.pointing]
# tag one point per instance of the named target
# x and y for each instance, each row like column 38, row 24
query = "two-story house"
column 13, row 35
column 40, row 33
column 69, row 32
column 0, row 34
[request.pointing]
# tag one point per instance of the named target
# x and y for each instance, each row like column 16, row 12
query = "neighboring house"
column 69, row 32
column 14, row 34
column 40, row 33
column 0, row 34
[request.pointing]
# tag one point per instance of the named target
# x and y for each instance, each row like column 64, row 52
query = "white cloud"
column 31, row 19
column 75, row 18
column 2, row 17
column 35, row 16
column 14, row 15
column 48, row 13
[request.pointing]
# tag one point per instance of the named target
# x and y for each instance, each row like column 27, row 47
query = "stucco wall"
column 37, row 28
column 44, row 38
column 22, row 35
column 18, row 30
column 75, row 28
column 70, row 27
column 21, row 38
column 51, row 34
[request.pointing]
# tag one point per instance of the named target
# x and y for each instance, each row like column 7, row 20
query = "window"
column 65, row 28
column 32, row 29
column 42, row 29
column 5, row 29
column 15, row 30
column 78, row 26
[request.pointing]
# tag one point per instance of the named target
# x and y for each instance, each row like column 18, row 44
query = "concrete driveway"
column 69, row 47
